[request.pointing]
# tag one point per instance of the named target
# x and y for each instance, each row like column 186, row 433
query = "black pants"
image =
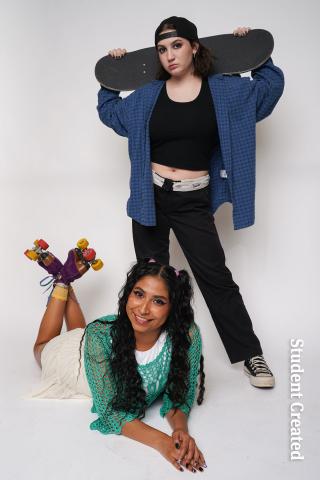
column 188, row 214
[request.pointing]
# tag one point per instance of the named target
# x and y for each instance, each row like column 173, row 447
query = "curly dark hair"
column 130, row 395
column 203, row 60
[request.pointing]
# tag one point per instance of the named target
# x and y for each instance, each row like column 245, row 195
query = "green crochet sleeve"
column 97, row 353
column 194, row 359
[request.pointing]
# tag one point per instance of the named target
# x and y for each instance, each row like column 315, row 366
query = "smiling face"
column 148, row 304
column 176, row 51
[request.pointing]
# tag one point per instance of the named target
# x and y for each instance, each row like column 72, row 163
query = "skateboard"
column 231, row 55
column 85, row 254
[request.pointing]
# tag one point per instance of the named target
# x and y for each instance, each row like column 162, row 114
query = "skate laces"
column 259, row 365
column 49, row 284
column 49, row 281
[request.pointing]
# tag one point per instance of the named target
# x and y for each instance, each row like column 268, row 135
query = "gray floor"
column 242, row 431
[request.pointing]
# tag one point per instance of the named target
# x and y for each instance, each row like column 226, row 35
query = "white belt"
column 181, row 185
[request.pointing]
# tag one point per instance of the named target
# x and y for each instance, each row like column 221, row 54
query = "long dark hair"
column 130, row 395
column 203, row 60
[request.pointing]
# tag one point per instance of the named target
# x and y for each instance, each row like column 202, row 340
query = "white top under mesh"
column 149, row 355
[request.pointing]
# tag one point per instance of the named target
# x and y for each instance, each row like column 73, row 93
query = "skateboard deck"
column 231, row 55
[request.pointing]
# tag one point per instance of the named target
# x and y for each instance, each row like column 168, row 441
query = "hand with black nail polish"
column 169, row 449
column 190, row 455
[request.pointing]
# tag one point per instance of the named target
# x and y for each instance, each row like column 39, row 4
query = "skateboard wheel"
column 31, row 254
column 82, row 243
column 89, row 254
column 97, row 264
column 42, row 244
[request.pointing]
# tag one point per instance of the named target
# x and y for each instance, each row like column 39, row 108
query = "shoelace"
column 259, row 365
column 50, row 282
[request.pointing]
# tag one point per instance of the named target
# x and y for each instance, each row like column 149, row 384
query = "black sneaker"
column 257, row 370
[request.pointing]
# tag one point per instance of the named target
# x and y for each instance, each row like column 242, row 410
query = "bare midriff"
column 177, row 173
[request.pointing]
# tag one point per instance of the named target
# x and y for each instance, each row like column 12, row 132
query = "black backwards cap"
column 183, row 28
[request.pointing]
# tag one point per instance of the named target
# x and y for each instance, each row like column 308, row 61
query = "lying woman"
column 152, row 346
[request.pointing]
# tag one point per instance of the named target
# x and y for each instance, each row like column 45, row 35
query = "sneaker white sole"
column 259, row 381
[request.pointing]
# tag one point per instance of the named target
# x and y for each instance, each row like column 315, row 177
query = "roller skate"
column 79, row 260
column 44, row 258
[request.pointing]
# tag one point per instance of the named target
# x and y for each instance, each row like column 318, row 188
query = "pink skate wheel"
column 42, row 244
column 89, row 254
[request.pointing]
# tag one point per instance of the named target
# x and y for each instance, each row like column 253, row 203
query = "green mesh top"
column 97, row 351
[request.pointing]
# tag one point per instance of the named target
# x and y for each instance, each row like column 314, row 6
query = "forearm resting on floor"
column 178, row 420
column 143, row 433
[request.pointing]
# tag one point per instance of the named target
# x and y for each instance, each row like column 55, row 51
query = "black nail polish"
column 181, row 469
column 177, row 445
column 187, row 465
column 194, row 470
column 201, row 469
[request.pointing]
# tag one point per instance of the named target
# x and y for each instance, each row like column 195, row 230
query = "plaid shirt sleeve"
column 112, row 110
column 267, row 85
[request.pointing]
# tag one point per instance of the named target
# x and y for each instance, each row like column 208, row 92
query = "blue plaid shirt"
column 239, row 103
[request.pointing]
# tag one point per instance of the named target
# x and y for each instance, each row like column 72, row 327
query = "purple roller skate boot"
column 46, row 259
column 74, row 267
column 51, row 264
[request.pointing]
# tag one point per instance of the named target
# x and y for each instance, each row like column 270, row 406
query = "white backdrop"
column 64, row 175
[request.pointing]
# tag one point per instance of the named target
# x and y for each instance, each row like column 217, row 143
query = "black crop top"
column 184, row 134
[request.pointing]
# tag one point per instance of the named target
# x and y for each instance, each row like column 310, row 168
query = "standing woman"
column 192, row 147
